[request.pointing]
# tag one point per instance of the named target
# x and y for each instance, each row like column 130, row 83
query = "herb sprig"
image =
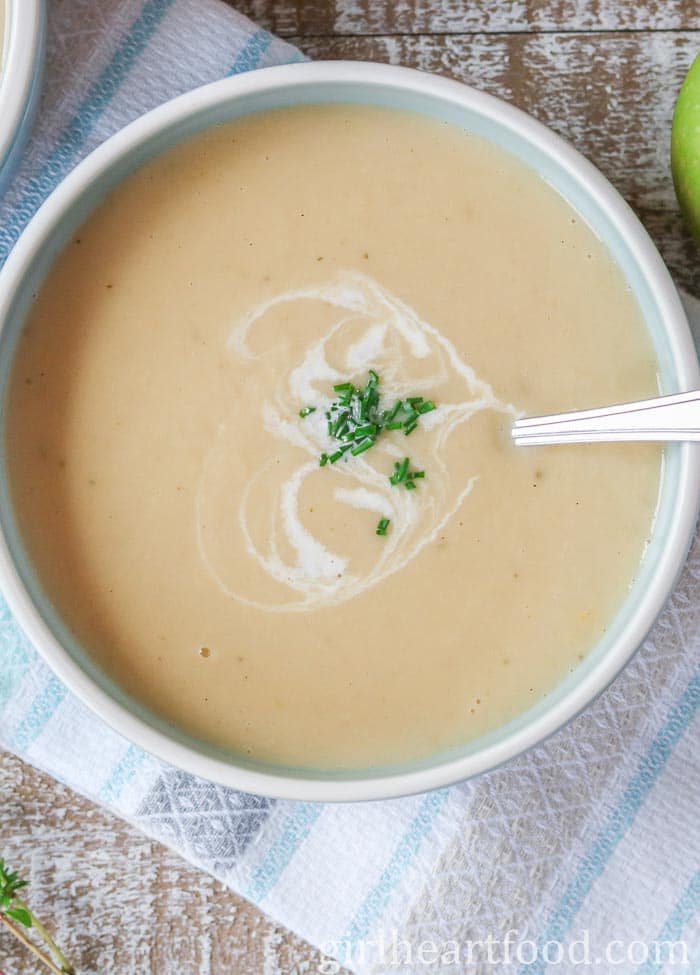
column 355, row 420
column 16, row 916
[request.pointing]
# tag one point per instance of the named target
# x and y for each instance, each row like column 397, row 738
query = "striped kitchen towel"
column 585, row 849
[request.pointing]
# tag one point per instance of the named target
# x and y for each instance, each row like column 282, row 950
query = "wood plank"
column 353, row 17
column 121, row 904
column 611, row 95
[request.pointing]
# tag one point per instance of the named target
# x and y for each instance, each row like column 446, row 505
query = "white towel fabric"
column 588, row 846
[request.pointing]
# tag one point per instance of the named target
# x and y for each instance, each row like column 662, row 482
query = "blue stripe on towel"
column 14, row 668
column 404, row 852
column 684, row 910
column 252, row 51
column 39, row 714
column 620, row 820
column 282, row 850
column 64, row 155
column 122, row 773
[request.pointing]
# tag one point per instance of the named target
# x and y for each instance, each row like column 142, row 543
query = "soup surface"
column 171, row 496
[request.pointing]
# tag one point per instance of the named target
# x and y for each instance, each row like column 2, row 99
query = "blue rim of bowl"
column 602, row 208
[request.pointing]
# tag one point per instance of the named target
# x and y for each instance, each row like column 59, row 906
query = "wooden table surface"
column 602, row 73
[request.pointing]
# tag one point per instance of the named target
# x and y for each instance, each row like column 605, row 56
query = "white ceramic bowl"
column 21, row 66
column 598, row 204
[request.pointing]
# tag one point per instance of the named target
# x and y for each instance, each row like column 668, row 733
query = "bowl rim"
column 22, row 42
column 306, row 784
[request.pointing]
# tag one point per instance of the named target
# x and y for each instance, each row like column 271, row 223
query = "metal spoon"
column 663, row 418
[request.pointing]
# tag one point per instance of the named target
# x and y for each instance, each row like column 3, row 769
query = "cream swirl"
column 292, row 565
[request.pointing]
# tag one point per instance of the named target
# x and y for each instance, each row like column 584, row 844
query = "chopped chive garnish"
column 400, row 471
column 394, row 410
column 402, row 475
column 362, row 446
column 382, row 526
column 337, row 454
column 355, row 420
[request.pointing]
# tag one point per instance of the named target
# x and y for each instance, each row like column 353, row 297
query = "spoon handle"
column 674, row 417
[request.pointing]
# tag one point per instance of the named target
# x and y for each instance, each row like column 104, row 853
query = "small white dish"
column 603, row 209
column 21, row 67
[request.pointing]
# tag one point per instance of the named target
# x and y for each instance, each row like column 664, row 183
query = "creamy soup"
column 171, row 496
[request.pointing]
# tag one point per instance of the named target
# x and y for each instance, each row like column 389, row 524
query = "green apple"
column 685, row 148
